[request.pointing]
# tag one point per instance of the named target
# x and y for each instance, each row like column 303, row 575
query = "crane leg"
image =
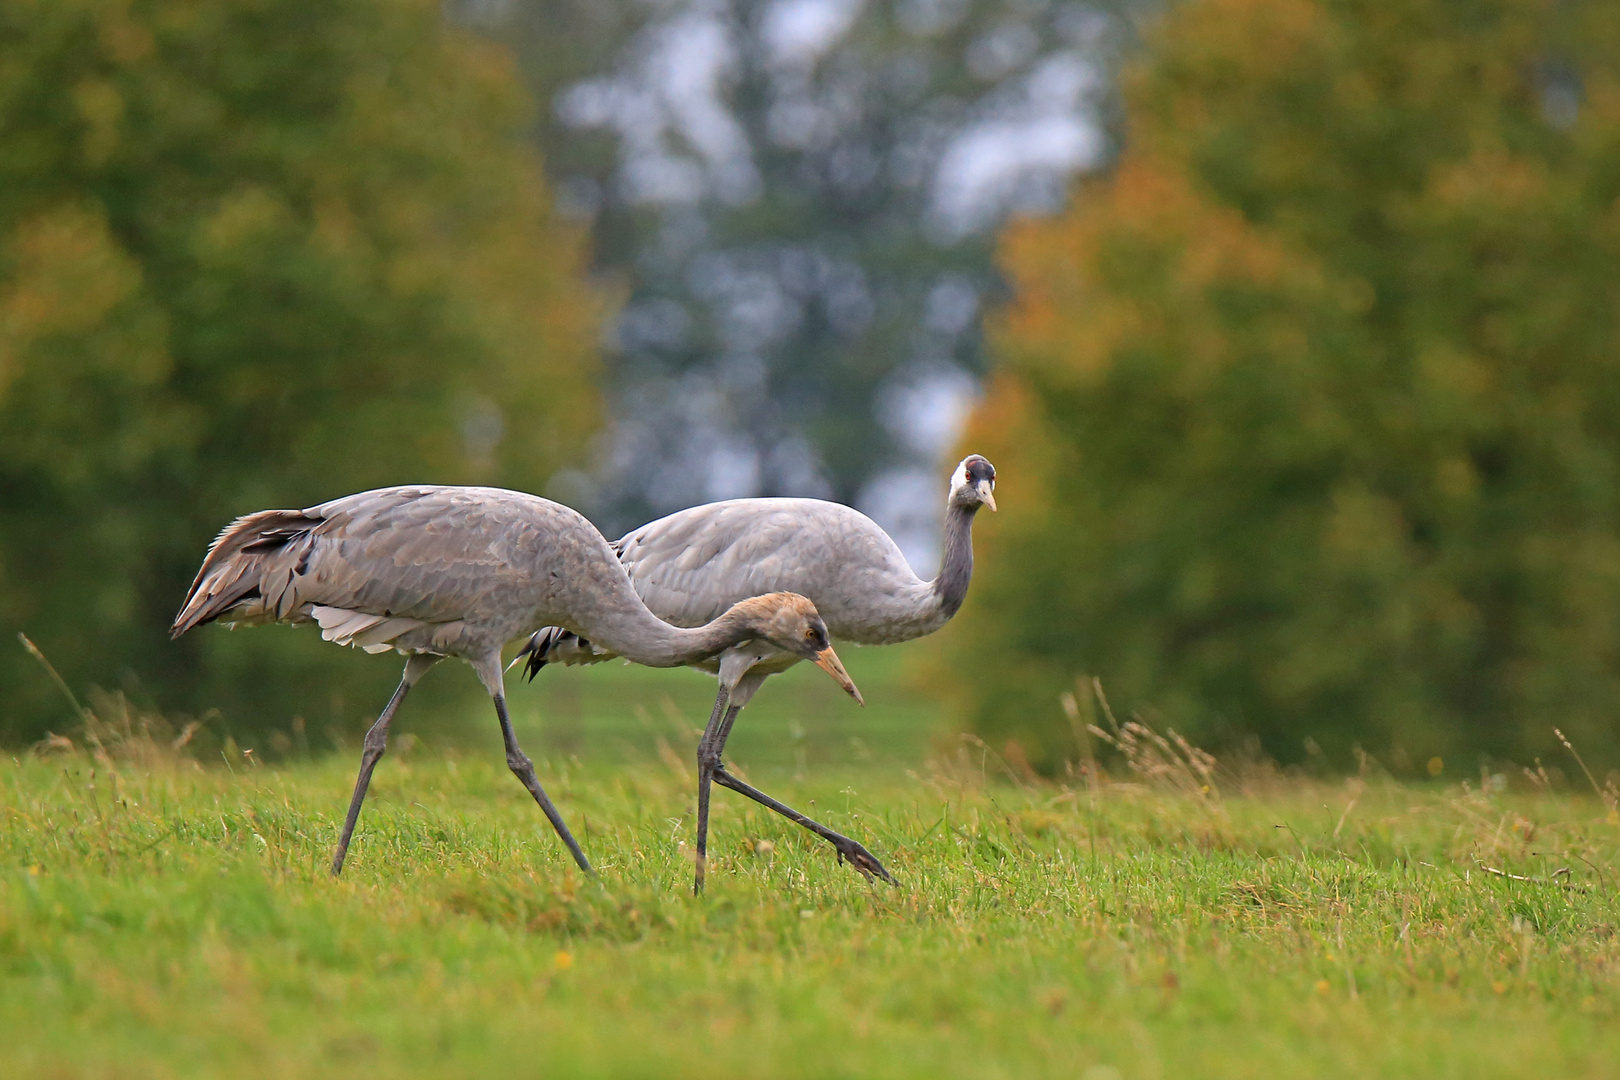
column 708, row 759
column 848, row 850
column 714, row 742
column 376, row 743
column 523, row 769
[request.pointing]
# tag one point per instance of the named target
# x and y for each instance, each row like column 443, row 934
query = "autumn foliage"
column 254, row 253
column 1308, row 413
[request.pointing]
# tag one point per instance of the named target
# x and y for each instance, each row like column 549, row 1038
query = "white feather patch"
column 341, row 625
column 380, row 638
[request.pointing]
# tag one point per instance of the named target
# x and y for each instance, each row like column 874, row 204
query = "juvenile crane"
column 690, row 565
column 433, row 572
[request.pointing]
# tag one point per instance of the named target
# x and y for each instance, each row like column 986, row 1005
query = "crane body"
column 693, row 563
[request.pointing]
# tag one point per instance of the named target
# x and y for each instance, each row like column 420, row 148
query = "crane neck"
column 635, row 633
column 956, row 571
column 733, row 627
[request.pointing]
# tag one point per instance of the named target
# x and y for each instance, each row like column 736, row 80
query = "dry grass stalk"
column 1167, row 761
column 113, row 730
column 1609, row 793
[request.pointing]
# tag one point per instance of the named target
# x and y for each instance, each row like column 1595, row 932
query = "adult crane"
column 692, row 564
column 432, row 572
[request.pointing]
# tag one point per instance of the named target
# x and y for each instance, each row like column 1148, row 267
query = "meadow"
column 162, row 916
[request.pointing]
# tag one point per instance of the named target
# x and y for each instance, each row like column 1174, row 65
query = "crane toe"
column 849, row 851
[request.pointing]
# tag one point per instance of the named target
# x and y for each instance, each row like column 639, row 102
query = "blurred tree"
column 255, row 253
column 799, row 197
column 1309, row 414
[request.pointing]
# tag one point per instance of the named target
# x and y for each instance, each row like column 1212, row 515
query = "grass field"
column 158, row 918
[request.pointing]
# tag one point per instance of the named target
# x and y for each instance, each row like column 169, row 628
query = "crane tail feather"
column 554, row 645
column 232, row 573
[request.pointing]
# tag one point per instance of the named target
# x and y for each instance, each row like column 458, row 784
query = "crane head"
column 973, row 484
column 792, row 623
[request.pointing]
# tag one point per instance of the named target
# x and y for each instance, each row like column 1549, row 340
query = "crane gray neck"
column 956, row 571
column 635, row 633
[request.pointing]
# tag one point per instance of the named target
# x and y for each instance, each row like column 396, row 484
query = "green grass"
column 174, row 921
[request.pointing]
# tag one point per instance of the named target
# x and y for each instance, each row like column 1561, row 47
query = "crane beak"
column 828, row 661
column 985, row 496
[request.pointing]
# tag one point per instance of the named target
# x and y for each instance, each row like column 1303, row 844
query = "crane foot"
column 857, row 856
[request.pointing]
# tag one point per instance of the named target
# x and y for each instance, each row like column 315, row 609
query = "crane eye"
column 810, row 633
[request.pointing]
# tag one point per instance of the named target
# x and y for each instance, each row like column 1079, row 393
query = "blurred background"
column 1290, row 326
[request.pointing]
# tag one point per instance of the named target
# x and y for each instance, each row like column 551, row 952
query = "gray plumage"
column 694, row 563
column 459, row 571
column 689, row 566
column 453, row 571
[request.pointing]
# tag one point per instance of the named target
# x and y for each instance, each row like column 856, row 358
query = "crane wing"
column 373, row 566
column 691, row 566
